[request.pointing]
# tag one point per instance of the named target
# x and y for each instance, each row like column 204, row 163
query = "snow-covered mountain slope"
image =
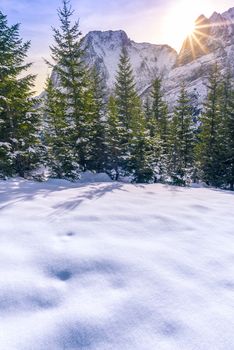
column 211, row 35
column 110, row 266
column 212, row 42
column 148, row 60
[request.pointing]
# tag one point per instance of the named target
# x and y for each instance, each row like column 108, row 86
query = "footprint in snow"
column 70, row 234
column 63, row 275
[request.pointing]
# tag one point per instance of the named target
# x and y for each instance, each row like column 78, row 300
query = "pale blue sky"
column 155, row 21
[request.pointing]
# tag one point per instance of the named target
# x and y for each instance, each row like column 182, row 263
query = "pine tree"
column 113, row 137
column 20, row 124
column 230, row 142
column 58, row 133
column 133, row 142
column 210, row 148
column 147, row 110
column 142, row 152
column 158, row 105
column 158, row 125
column 73, row 79
column 226, row 129
column 97, row 133
column 127, row 101
column 182, row 140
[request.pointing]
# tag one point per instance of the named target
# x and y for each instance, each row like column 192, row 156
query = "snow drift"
column 111, row 266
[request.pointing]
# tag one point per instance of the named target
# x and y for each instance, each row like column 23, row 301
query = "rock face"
column 148, row 60
column 212, row 41
column 196, row 45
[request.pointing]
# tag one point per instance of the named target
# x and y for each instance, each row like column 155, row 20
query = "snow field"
column 109, row 266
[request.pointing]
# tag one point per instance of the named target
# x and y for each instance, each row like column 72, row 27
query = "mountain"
column 148, row 60
column 212, row 41
column 211, row 35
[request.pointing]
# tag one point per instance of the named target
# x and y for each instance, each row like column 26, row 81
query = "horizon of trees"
column 78, row 127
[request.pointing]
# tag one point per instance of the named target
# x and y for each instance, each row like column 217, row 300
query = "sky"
column 153, row 21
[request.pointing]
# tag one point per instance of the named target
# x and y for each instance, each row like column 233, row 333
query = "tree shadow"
column 17, row 190
column 176, row 188
column 89, row 192
column 220, row 190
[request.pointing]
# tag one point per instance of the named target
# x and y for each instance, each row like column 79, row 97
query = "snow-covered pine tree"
column 126, row 98
column 127, row 101
column 73, row 79
column 142, row 151
column 158, row 125
column 227, row 128
column 98, row 152
column 210, row 148
column 20, row 124
column 57, row 134
column 113, row 140
column 158, row 105
column 147, row 109
column 230, row 142
column 182, row 157
column 134, row 142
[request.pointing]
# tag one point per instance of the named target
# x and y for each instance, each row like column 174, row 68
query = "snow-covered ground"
column 111, row 266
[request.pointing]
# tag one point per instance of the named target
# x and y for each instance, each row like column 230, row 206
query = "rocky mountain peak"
column 216, row 17
column 118, row 37
column 200, row 20
column 229, row 14
column 148, row 60
column 212, row 41
column 195, row 45
column 210, row 35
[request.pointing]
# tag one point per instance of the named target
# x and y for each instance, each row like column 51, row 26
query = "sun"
column 179, row 21
column 187, row 29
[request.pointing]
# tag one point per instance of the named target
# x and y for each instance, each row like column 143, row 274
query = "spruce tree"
column 147, row 109
column 210, row 148
column 142, row 148
column 226, row 130
column 158, row 125
column 230, row 142
column 20, row 124
column 58, row 131
column 113, row 141
column 127, row 101
column 98, row 152
column 133, row 143
column 182, row 140
column 73, row 79
column 158, row 105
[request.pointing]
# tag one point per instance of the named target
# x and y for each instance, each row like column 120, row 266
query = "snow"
column 229, row 15
column 109, row 266
column 89, row 177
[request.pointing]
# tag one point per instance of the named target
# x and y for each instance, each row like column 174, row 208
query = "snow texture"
column 110, row 266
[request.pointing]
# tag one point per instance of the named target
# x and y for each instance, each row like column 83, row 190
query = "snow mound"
column 109, row 266
column 89, row 177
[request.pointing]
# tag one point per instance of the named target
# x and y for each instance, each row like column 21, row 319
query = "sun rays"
column 179, row 23
column 198, row 40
